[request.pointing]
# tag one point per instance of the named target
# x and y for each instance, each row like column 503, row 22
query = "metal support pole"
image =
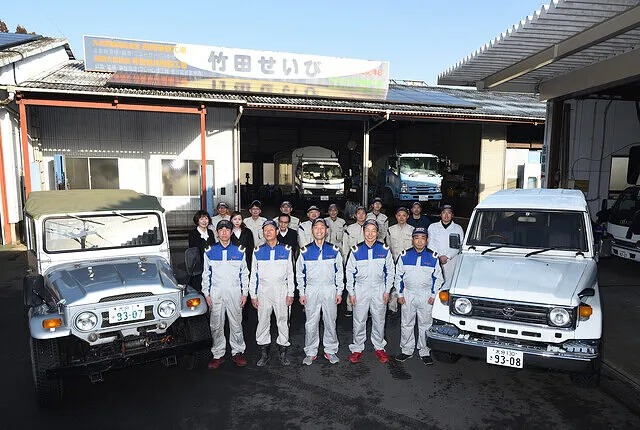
column 365, row 164
column 6, row 228
column 203, row 153
column 26, row 167
column 237, row 180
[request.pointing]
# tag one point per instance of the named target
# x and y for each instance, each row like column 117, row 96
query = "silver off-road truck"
column 100, row 289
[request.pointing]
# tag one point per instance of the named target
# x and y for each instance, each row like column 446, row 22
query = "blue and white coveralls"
column 370, row 273
column 272, row 280
column 418, row 277
column 225, row 278
column 319, row 273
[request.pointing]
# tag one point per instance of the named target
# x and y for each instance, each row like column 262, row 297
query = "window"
column 246, row 173
column 91, row 173
column 181, row 177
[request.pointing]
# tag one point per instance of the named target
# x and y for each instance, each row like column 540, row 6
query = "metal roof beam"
column 621, row 68
column 592, row 36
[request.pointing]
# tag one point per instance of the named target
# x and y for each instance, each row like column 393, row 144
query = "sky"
column 420, row 38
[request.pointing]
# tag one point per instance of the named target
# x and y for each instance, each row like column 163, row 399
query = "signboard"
column 176, row 65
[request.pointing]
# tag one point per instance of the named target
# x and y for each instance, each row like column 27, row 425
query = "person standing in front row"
column 399, row 239
column 255, row 222
column 225, row 285
column 439, row 233
column 418, row 280
column 370, row 274
column 320, row 280
column 272, row 287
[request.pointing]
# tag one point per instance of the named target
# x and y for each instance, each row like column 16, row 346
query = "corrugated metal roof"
column 71, row 78
column 552, row 24
column 30, row 48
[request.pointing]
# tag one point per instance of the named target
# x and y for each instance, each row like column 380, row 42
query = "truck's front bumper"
column 466, row 344
column 408, row 197
column 624, row 252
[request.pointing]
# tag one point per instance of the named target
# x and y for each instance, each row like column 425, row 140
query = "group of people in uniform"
column 378, row 265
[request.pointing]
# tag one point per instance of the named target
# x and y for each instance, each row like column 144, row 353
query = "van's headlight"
column 462, row 305
column 404, row 187
column 166, row 309
column 559, row 317
column 86, row 321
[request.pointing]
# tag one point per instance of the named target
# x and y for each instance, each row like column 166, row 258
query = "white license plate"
column 126, row 313
column 623, row 254
column 505, row 357
column 423, row 198
column 324, row 198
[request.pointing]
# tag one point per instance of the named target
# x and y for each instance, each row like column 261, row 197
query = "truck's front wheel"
column 445, row 357
column 45, row 354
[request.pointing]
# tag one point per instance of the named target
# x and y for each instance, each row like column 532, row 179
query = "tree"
column 21, row 30
column 3, row 27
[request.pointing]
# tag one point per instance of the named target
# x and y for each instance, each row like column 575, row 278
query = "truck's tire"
column 586, row 380
column 196, row 329
column 445, row 357
column 45, row 354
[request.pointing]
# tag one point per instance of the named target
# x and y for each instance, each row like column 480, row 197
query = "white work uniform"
column 353, row 235
column 225, row 278
column 383, row 224
column 256, row 228
column 214, row 225
column 336, row 231
column 398, row 239
column 370, row 273
column 319, row 274
column 418, row 277
column 272, row 280
column 439, row 242
column 293, row 224
column 304, row 233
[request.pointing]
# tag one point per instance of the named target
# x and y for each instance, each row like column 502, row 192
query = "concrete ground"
column 469, row 394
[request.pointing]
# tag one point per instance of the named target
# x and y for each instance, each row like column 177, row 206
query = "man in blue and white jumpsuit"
column 418, row 280
column 225, row 285
column 370, row 274
column 320, row 275
column 272, row 287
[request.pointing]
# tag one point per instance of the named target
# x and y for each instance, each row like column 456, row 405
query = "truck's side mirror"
column 33, row 290
column 193, row 261
column 454, row 241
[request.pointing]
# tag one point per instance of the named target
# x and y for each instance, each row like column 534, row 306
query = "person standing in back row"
column 417, row 219
column 336, row 226
column 381, row 219
column 223, row 213
column 399, row 239
column 353, row 235
column 255, row 222
column 439, row 233
column 287, row 208
column 304, row 230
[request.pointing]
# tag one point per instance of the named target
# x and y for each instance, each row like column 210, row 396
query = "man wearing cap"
column 223, row 213
column 304, row 230
column 398, row 239
column 381, row 219
column 255, row 222
column 225, row 285
column 272, row 288
column 286, row 208
column 320, row 278
column 336, row 226
column 353, row 235
column 370, row 275
column 418, row 280
column 417, row 219
column 286, row 235
column 439, row 233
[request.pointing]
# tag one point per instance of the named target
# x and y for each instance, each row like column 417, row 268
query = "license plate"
column 126, row 313
column 324, row 198
column 505, row 357
column 423, row 198
column 623, row 254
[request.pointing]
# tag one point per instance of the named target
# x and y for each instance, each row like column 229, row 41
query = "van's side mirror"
column 193, row 261
column 454, row 241
column 587, row 292
column 33, row 290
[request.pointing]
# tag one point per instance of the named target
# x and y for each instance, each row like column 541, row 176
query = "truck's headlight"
column 86, row 321
column 559, row 317
column 438, row 188
column 462, row 305
column 166, row 309
column 404, row 187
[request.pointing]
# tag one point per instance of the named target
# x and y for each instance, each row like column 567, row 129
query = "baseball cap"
column 256, row 203
column 313, row 208
column 333, row 205
column 222, row 205
column 376, row 200
column 271, row 223
column 319, row 221
column 419, row 230
column 371, row 222
column 286, row 203
column 402, row 209
column 360, row 208
column 446, row 207
column 416, row 203
column 224, row 223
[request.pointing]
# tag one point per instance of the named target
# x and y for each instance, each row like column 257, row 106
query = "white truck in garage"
column 310, row 175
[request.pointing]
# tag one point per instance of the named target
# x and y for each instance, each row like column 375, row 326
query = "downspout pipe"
column 236, row 157
column 6, row 228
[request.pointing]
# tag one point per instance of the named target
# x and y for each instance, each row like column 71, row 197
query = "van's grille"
column 148, row 316
column 509, row 311
column 124, row 297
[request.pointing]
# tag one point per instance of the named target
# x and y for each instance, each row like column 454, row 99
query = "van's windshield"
column 627, row 205
column 529, row 229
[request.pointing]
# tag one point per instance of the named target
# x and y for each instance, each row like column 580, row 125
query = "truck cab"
column 411, row 177
column 525, row 290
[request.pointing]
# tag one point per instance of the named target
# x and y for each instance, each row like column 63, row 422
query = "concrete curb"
column 620, row 386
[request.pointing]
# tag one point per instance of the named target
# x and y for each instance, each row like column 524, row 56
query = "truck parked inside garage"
column 310, row 175
column 409, row 177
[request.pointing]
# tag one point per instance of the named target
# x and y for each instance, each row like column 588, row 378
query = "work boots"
column 264, row 356
column 283, row 356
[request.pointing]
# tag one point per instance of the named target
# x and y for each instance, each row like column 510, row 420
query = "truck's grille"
column 321, row 192
column 423, row 189
column 124, row 297
column 148, row 316
column 509, row 311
